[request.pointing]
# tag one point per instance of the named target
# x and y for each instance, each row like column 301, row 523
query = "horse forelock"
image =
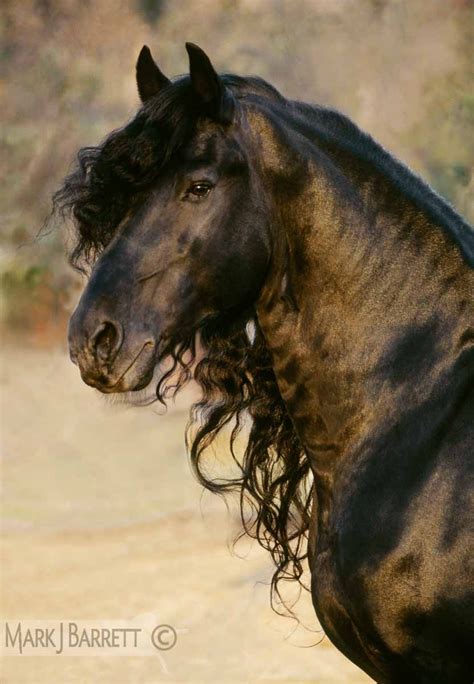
column 108, row 180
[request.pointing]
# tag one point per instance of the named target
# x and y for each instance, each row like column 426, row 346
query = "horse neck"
column 366, row 300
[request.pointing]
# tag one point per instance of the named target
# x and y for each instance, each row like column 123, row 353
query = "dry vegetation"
column 400, row 69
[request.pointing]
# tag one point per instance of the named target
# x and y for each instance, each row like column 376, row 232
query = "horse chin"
column 144, row 391
column 137, row 375
column 139, row 385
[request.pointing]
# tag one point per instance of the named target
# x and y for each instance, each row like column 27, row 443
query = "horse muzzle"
column 109, row 359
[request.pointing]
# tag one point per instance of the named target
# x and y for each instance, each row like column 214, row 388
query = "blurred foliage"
column 400, row 69
column 151, row 9
column 33, row 302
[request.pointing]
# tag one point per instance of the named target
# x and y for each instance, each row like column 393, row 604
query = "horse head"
column 171, row 209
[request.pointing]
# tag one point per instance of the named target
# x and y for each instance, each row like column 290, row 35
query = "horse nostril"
column 106, row 340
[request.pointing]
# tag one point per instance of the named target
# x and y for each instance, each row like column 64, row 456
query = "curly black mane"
column 234, row 371
column 108, row 181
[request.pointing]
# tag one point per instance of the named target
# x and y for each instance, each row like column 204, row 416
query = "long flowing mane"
column 234, row 372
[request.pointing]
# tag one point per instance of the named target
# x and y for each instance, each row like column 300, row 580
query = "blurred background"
column 100, row 514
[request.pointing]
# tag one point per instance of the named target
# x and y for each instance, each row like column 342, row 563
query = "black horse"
column 330, row 292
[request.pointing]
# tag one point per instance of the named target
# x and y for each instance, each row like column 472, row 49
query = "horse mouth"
column 135, row 376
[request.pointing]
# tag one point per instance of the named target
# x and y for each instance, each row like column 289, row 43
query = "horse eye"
column 200, row 190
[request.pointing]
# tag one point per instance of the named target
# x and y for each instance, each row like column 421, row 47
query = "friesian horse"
column 329, row 292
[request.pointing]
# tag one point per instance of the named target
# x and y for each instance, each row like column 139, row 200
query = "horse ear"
column 207, row 85
column 150, row 80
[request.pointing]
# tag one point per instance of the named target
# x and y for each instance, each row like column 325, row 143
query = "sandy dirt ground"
column 101, row 518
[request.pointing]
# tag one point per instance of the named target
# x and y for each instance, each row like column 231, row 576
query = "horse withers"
column 331, row 293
